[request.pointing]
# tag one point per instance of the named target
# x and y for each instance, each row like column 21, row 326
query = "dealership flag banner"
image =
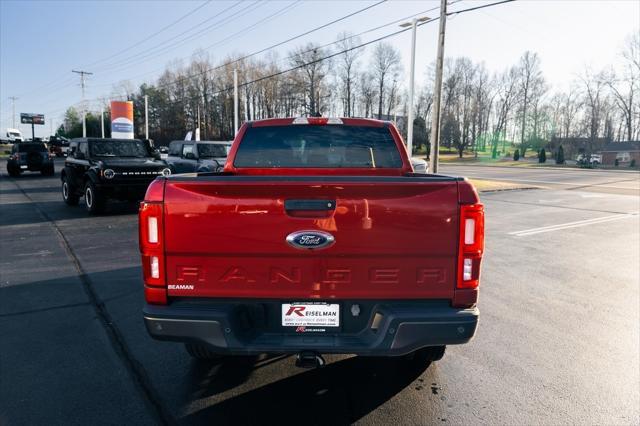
column 122, row 119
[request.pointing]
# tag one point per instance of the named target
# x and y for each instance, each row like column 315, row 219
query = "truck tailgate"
column 395, row 237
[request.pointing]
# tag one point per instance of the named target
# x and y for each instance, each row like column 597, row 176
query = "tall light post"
column 235, row 102
column 13, row 110
column 413, row 24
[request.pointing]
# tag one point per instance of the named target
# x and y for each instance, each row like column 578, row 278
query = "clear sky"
column 42, row 41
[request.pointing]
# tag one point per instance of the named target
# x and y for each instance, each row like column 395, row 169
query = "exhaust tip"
column 309, row 359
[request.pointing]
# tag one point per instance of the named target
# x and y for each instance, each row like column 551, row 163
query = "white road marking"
column 575, row 224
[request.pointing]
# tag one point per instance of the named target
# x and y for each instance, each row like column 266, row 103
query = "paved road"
column 597, row 180
column 558, row 340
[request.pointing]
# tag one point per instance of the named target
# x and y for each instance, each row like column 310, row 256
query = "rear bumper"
column 405, row 327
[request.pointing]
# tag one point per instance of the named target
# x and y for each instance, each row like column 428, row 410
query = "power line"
column 149, row 37
column 242, row 31
column 343, row 51
column 84, row 107
column 314, row 61
column 63, row 76
column 479, row 7
column 163, row 47
column 285, row 41
column 291, row 56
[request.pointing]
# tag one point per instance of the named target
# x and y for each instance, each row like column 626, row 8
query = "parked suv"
column 197, row 156
column 28, row 156
column 99, row 169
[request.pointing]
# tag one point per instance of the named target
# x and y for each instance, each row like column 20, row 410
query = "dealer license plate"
column 310, row 315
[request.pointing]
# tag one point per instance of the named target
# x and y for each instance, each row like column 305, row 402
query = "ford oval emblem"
column 310, row 240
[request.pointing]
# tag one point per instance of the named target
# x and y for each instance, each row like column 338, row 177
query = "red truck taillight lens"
column 471, row 248
column 152, row 251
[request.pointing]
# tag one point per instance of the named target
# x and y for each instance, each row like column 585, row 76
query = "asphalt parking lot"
column 558, row 341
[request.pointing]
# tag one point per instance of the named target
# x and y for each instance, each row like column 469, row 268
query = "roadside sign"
column 30, row 118
column 122, row 119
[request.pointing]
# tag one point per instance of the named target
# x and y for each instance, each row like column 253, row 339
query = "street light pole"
column 235, row 102
column 437, row 91
column 414, row 26
column 13, row 109
column 102, row 122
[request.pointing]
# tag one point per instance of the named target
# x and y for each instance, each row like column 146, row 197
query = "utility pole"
column 84, row 107
column 146, row 117
column 102, row 122
column 235, row 102
column 13, row 109
column 437, row 91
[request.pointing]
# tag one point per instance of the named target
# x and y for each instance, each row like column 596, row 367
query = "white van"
column 14, row 135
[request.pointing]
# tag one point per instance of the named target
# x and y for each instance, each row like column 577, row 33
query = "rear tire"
column 94, row 201
column 68, row 193
column 201, row 352
column 48, row 171
column 13, row 172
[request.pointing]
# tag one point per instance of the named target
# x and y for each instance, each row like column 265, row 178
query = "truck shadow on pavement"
column 340, row 393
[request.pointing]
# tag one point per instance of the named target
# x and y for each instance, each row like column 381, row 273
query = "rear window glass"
column 307, row 146
column 31, row 147
column 118, row 148
column 212, row 150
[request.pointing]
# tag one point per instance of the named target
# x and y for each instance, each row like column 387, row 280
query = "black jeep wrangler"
column 29, row 156
column 99, row 169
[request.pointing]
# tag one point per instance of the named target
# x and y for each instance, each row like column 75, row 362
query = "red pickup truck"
column 317, row 237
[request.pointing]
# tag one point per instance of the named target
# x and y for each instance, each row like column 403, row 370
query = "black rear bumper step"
column 405, row 326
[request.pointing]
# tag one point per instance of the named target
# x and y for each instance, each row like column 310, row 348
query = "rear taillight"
column 471, row 248
column 151, row 241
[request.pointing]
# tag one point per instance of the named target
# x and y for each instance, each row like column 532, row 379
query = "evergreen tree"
column 542, row 156
column 560, row 155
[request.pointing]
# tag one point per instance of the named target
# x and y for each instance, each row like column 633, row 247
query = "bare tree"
column 386, row 66
column 310, row 74
column 347, row 68
column 531, row 84
column 593, row 86
column 625, row 85
column 507, row 97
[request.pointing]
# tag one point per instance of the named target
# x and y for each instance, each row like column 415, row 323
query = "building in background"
column 624, row 152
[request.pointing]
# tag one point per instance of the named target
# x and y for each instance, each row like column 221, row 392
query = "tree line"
column 481, row 110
